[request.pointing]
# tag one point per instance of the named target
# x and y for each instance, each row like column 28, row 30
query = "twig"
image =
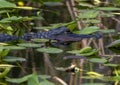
column 101, row 46
column 71, row 79
column 90, row 41
column 33, row 62
column 116, row 19
column 75, row 11
column 60, row 80
column 69, row 9
column 95, row 44
column 48, row 62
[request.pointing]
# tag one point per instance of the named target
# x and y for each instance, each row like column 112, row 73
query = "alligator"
column 61, row 34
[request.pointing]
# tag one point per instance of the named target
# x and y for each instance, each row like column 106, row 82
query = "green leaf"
column 6, row 66
column 90, row 53
column 29, row 45
column 83, row 50
column 74, row 51
column 115, row 43
column 72, row 25
column 98, row 60
column 111, row 78
column 19, row 19
column 5, row 11
column 13, row 59
column 111, row 65
column 94, row 21
column 56, row 25
column 87, row 51
column 33, row 80
column 96, row 75
column 12, row 47
column 108, row 8
column 88, row 30
column 4, row 52
column 88, row 14
column 6, row 28
column 3, row 44
column 85, row 4
column 107, row 15
column 18, row 80
column 5, row 72
column 13, row 18
column 9, row 28
column 49, row 50
column 46, row 82
column 6, row 4
column 44, row 76
column 1, row 83
column 108, row 31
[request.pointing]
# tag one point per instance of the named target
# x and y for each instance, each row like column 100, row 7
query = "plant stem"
column 8, row 15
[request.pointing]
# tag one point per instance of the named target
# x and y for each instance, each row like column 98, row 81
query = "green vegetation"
column 44, row 61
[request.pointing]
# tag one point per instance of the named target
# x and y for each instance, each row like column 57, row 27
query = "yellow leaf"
column 3, row 44
column 94, row 74
column 25, row 8
column 97, row 2
column 6, row 65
